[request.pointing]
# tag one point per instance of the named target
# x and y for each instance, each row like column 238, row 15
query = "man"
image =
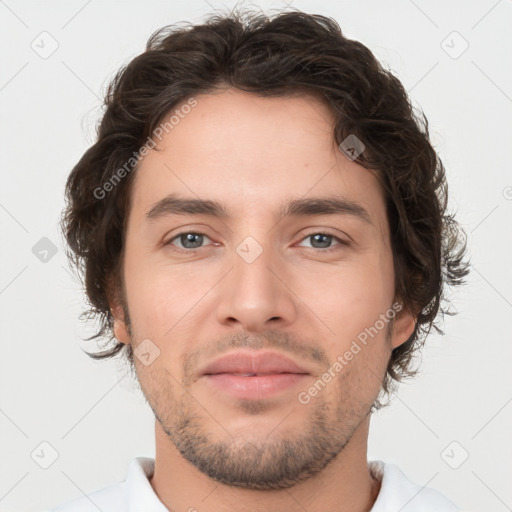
column 262, row 226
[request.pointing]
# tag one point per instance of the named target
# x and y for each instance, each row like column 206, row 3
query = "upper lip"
column 246, row 362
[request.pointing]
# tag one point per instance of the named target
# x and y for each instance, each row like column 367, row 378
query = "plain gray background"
column 52, row 393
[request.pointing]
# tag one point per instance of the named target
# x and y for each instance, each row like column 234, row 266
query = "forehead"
column 252, row 154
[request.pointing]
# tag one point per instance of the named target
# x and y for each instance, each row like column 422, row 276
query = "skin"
column 252, row 154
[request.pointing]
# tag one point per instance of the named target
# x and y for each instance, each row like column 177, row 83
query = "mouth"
column 253, row 375
column 236, row 374
column 251, row 363
column 254, row 386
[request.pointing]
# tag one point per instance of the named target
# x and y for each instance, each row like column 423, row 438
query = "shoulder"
column 397, row 492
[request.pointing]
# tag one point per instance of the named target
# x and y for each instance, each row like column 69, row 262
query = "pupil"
column 189, row 237
column 325, row 243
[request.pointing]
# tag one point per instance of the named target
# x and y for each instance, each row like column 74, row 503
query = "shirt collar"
column 141, row 496
column 396, row 491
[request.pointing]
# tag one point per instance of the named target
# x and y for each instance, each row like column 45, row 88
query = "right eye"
column 189, row 240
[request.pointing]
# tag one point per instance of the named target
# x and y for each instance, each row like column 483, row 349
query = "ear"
column 403, row 327
column 120, row 330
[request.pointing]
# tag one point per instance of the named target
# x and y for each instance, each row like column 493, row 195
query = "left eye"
column 191, row 240
column 324, row 240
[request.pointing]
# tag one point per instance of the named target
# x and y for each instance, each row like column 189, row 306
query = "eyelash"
column 325, row 233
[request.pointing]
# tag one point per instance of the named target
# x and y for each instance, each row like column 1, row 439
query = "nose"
column 255, row 294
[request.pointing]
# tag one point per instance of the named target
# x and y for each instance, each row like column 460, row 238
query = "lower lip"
column 255, row 387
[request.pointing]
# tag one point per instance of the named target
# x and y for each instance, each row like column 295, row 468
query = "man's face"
column 304, row 286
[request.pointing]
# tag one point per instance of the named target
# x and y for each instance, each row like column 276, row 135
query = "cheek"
column 348, row 298
column 163, row 297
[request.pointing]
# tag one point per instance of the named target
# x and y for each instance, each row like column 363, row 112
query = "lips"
column 248, row 364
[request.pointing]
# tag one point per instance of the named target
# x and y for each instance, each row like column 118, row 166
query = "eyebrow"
column 315, row 206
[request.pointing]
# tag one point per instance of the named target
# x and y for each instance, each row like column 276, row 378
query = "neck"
column 346, row 484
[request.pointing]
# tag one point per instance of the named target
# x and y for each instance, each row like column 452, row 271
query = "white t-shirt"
column 135, row 494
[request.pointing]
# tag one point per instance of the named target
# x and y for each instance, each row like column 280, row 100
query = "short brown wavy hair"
column 281, row 55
